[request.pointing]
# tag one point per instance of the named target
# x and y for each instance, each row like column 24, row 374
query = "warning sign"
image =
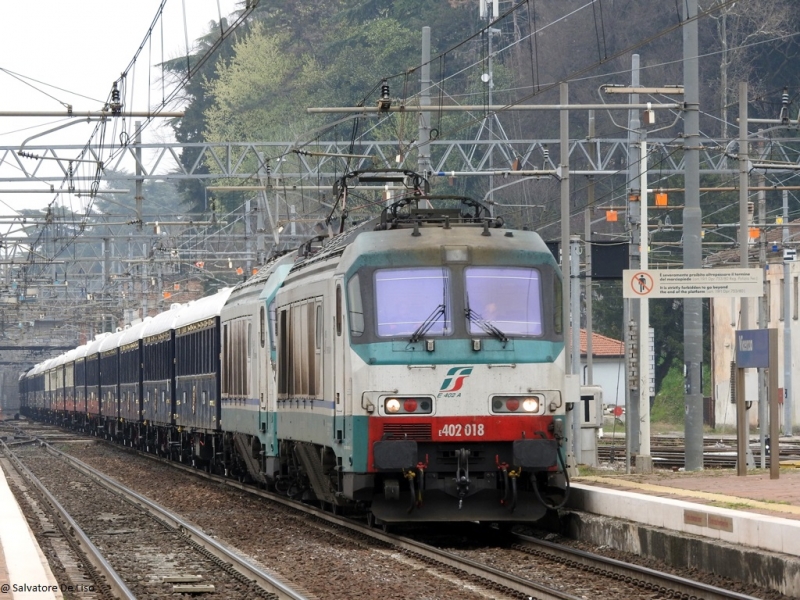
column 692, row 283
column 642, row 283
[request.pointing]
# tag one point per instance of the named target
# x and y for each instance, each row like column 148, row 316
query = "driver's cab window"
column 508, row 299
column 412, row 301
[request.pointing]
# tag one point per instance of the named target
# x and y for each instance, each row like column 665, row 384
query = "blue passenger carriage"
column 197, row 377
column 130, row 380
column 158, row 381
column 93, row 394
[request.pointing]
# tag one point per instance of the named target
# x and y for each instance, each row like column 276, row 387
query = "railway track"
column 668, row 453
column 619, row 580
column 138, row 548
column 529, row 568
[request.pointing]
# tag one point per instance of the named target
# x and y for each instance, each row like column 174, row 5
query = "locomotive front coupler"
column 462, row 475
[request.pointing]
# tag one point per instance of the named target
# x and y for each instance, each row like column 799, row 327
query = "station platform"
column 24, row 571
column 742, row 527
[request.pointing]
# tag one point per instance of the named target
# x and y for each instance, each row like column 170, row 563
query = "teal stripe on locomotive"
column 240, row 417
column 301, row 425
column 359, row 431
column 458, row 351
column 316, row 428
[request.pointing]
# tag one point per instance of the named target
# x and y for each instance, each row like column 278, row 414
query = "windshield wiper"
column 427, row 323
column 485, row 325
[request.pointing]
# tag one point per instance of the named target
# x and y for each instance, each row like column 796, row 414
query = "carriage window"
column 338, row 310
column 355, row 307
column 262, row 326
column 410, row 299
column 506, row 298
column 318, row 327
column 272, row 328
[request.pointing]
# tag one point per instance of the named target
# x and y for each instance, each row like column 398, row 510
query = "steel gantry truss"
column 128, row 265
column 235, row 160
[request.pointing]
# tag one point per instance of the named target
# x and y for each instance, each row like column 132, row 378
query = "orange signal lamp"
column 661, row 199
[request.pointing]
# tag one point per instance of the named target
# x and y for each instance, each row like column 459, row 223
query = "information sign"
column 692, row 283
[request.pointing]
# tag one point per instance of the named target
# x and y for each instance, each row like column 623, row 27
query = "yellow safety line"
column 663, row 489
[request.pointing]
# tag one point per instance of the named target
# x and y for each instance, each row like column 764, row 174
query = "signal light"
column 408, row 406
column 512, row 404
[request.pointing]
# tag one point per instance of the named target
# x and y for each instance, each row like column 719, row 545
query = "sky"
column 70, row 52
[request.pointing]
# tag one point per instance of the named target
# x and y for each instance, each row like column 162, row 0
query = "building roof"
column 602, row 346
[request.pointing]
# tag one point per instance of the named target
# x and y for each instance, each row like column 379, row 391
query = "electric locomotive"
column 420, row 368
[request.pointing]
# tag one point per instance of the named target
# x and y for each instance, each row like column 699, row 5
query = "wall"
column 726, row 319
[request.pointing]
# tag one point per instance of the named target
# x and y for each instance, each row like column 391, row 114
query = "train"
column 410, row 367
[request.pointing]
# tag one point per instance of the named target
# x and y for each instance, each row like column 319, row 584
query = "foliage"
column 669, row 405
column 190, row 128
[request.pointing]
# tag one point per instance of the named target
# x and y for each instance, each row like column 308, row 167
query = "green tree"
column 191, row 127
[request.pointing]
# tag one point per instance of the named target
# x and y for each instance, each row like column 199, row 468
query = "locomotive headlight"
column 392, row 405
column 530, row 404
column 407, row 405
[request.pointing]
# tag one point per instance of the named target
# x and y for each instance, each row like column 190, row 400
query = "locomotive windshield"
column 408, row 299
column 507, row 299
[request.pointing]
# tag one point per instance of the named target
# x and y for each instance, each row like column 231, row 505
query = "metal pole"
column 138, row 198
column 742, row 429
column 763, row 323
column 692, row 244
column 145, row 288
column 787, row 346
column 587, row 259
column 644, row 462
column 565, row 218
column 248, row 239
column 774, row 414
column 742, row 434
column 424, row 160
column 575, row 295
column 491, row 125
column 785, row 214
column 788, row 286
column 631, row 307
column 566, row 305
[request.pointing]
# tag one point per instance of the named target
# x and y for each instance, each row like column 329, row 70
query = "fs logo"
column 453, row 381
